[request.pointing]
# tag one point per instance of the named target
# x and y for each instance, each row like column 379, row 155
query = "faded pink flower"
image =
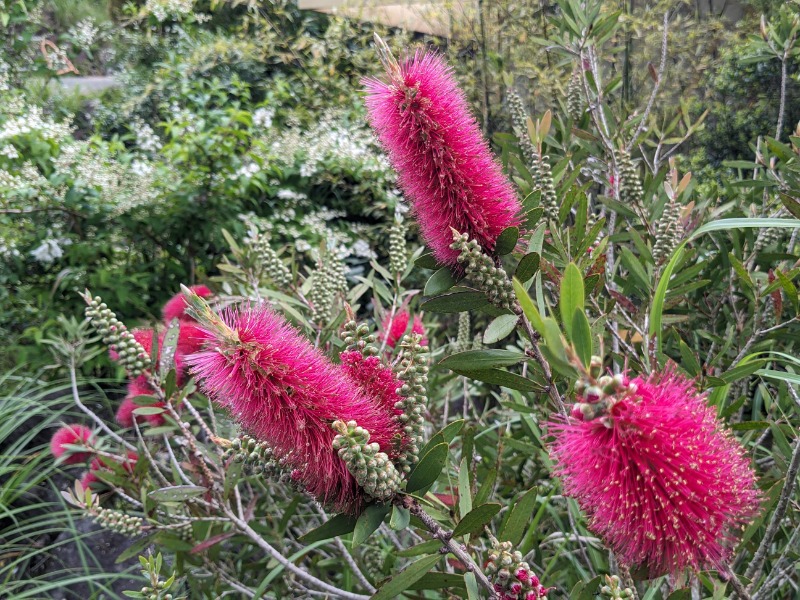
column 285, row 393
column 175, row 308
column 78, row 435
column 444, row 164
column 661, row 479
column 395, row 327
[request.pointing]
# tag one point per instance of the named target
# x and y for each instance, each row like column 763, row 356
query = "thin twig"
column 348, row 558
column 287, row 564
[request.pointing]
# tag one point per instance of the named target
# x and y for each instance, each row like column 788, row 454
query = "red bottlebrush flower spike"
column 124, row 416
column 660, row 478
column 444, row 164
column 176, row 306
column 376, row 381
column 394, row 328
column 190, row 339
column 78, row 435
column 89, row 477
column 285, row 393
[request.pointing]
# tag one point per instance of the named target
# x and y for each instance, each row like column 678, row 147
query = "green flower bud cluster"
column 118, row 521
column 519, row 123
column 412, row 369
column 613, row 589
column 511, row 576
column 463, row 341
column 630, row 187
column 398, row 251
column 328, row 280
column 257, row 457
column 481, row 270
column 156, row 591
column 373, row 559
column 597, row 394
column 358, row 337
column 575, row 96
column 767, row 237
column 116, row 336
column 271, row 265
column 669, row 231
column 372, row 468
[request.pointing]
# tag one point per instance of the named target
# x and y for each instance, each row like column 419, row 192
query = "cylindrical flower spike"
column 71, row 435
column 285, row 393
column 444, row 164
column 660, row 478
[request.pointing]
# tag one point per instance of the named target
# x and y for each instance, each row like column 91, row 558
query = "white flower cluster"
column 84, row 33
column 8, row 248
column 33, row 120
column 262, row 117
column 146, row 138
column 50, row 250
column 9, row 151
column 5, row 76
column 247, row 171
column 163, row 10
column 286, row 194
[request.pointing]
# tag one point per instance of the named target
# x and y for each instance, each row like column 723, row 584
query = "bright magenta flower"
column 444, row 164
column 394, row 328
column 661, row 479
column 78, row 435
column 285, row 393
column 176, row 306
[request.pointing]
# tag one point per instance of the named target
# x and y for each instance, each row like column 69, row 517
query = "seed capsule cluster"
column 358, row 337
column 630, row 187
column 116, row 336
column 412, row 370
column 597, row 394
column 398, row 252
column 481, row 269
column 669, row 231
column 575, row 96
column 271, row 265
column 328, row 280
column 118, row 521
column 538, row 164
column 613, row 589
column 512, row 577
column 372, row 468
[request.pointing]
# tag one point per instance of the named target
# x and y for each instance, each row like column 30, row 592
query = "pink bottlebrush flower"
column 376, row 381
column 78, row 435
column 176, row 306
column 444, row 164
column 661, row 479
column 190, row 339
column 88, row 478
column 124, row 416
column 395, row 327
column 284, row 392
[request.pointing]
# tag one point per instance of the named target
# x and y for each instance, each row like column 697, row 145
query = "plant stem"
column 552, row 390
column 446, row 537
column 757, row 564
column 287, row 564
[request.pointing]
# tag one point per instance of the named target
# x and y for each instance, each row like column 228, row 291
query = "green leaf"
column 428, row 468
column 528, row 307
column 456, row 302
column 501, row 377
column 424, row 548
column 436, row 580
column 780, row 375
column 441, row 281
column 474, row 520
column 473, row 593
column 789, row 288
column 149, row 410
column 481, row 359
column 572, row 296
column 689, row 360
column 400, row 518
column 582, row 336
column 176, row 493
column 749, row 425
column 401, row 582
column 427, row 261
column 585, row 590
column 369, row 521
column 506, row 241
column 741, row 271
column 499, row 328
column 741, row 371
column 519, row 518
column 339, row 525
column 464, row 489
column 527, row 267
column 450, row 432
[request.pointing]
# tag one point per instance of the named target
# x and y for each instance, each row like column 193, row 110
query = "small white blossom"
column 362, row 249
column 9, row 151
column 262, row 117
column 50, row 250
column 302, row 246
column 247, row 171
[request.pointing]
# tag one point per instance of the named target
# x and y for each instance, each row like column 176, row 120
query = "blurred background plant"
column 233, row 150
